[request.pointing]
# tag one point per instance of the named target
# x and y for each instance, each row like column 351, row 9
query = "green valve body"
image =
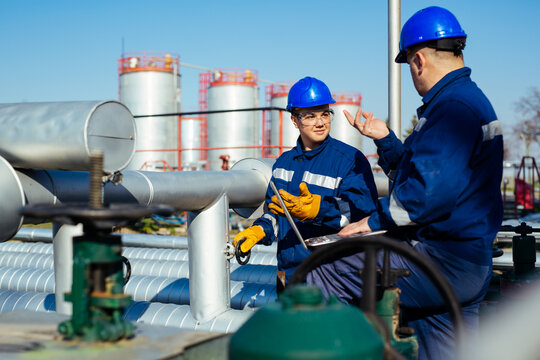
column 302, row 326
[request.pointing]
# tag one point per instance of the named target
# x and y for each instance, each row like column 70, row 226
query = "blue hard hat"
column 431, row 23
column 308, row 92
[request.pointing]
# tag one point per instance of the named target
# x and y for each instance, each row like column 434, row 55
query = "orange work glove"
column 303, row 207
column 252, row 234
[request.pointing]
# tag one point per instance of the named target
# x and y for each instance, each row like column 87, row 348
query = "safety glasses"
column 312, row 118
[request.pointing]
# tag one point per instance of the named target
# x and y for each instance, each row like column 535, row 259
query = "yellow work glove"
column 303, row 207
column 252, row 234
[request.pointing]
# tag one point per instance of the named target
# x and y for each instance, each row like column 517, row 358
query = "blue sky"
column 68, row 50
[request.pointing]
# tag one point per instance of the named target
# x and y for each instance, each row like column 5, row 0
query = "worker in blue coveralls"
column 445, row 197
column 324, row 183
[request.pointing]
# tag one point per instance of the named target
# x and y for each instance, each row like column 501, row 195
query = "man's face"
column 313, row 124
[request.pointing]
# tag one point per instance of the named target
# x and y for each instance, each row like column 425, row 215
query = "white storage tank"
column 341, row 129
column 190, row 138
column 284, row 136
column 234, row 135
column 150, row 84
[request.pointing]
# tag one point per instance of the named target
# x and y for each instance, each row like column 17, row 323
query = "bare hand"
column 373, row 128
column 356, row 227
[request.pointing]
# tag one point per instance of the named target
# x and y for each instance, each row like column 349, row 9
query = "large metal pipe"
column 243, row 295
column 245, row 186
column 394, row 69
column 134, row 240
column 143, row 312
column 208, row 234
column 261, row 258
column 63, row 263
column 61, row 135
column 251, row 273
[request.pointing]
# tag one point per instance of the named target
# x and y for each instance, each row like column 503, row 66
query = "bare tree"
column 528, row 128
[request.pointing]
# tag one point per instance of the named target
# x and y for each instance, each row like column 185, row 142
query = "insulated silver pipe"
column 63, row 263
column 261, row 258
column 144, row 312
column 259, row 274
column 135, row 240
column 208, row 234
column 144, row 288
column 245, row 186
column 394, row 69
column 61, row 135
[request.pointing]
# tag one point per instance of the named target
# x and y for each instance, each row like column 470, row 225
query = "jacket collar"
column 448, row 78
column 299, row 152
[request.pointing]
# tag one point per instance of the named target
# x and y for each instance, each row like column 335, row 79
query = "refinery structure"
column 230, row 125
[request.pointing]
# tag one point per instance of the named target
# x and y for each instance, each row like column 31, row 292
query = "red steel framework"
column 272, row 91
column 148, row 61
column 160, row 61
column 348, row 97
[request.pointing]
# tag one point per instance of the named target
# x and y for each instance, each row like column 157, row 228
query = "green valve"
column 301, row 325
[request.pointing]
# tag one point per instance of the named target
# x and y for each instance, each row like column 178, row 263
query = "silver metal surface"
column 148, row 93
column 191, row 139
column 251, row 273
column 262, row 166
column 199, row 189
column 164, row 290
column 12, row 200
column 63, row 263
column 232, row 129
column 394, row 69
column 142, row 312
column 208, row 234
column 288, row 215
column 341, row 129
column 257, row 258
column 289, row 132
column 62, row 135
column 133, row 240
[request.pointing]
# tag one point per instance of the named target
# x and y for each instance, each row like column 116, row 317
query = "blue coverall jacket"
column 446, row 199
column 340, row 174
column 447, row 174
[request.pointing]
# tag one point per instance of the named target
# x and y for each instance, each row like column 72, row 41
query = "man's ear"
column 420, row 61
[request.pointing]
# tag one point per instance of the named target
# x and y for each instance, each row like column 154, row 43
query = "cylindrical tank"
column 287, row 132
column 302, row 326
column 150, row 84
column 61, row 135
column 232, row 89
column 341, row 129
column 190, row 138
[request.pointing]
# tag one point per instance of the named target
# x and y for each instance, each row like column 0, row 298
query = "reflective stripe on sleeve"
column 491, row 130
column 321, row 180
column 345, row 211
column 285, row 175
column 274, row 223
column 398, row 213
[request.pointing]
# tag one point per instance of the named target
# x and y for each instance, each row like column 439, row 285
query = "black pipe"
column 212, row 112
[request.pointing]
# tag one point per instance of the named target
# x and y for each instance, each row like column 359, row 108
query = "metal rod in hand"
column 287, row 214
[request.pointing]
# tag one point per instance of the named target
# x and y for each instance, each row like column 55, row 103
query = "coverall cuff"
column 387, row 142
column 374, row 222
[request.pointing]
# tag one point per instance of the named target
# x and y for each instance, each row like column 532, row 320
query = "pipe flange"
column 12, row 200
column 264, row 167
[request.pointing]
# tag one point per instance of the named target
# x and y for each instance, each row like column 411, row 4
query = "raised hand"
column 373, row 127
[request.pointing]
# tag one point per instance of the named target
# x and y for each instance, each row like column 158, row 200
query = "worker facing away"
column 445, row 195
column 325, row 184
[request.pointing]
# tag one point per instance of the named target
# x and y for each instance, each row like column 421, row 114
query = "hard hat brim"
column 401, row 57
